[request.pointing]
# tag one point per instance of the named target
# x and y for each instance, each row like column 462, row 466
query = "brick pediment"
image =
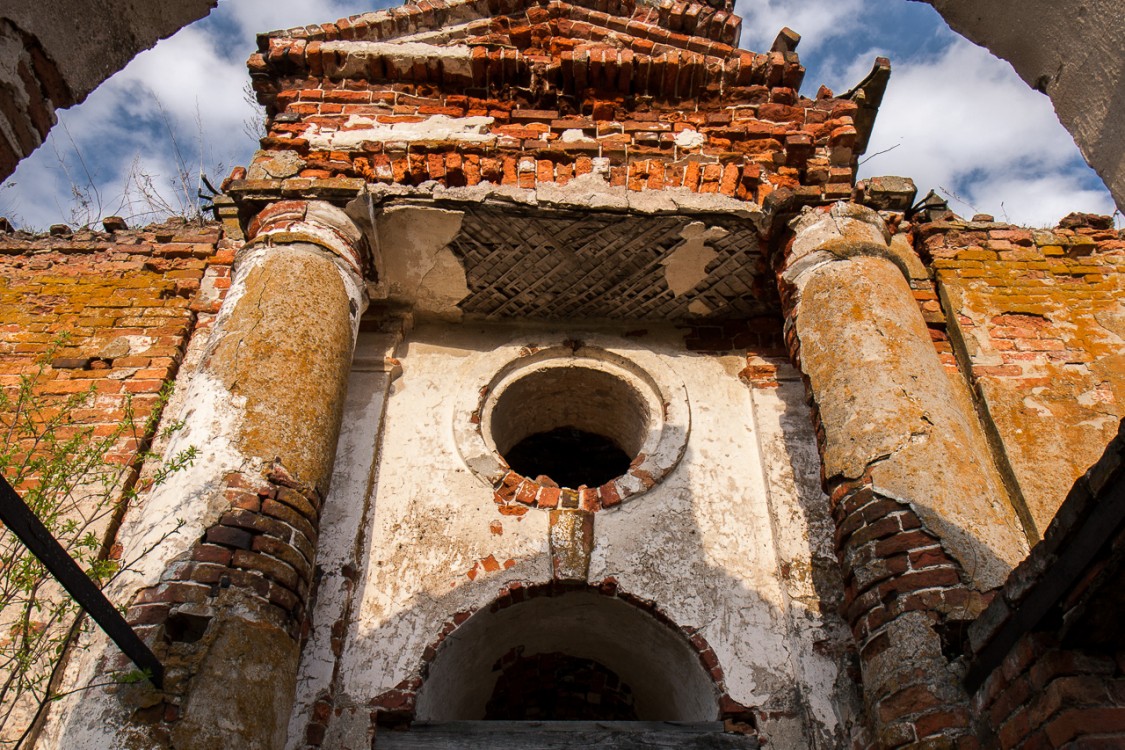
column 676, row 51
column 591, row 97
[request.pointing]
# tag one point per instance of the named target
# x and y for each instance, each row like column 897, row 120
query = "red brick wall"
column 1045, row 696
column 1038, row 317
column 129, row 302
column 539, row 71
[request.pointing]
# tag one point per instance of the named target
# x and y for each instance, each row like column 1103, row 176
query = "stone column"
column 923, row 523
column 223, row 594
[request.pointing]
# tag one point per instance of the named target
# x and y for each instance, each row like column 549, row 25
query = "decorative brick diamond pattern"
column 572, row 264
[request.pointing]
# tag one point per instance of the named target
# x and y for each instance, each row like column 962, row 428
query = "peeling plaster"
column 212, row 419
column 586, row 191
column 687, row 265
column 415, row 263
column 699, row 307
column 690, row 139
column 218, row 420
column 699, row 544
column 344, row 527
column 359, row 129
column 808, row 568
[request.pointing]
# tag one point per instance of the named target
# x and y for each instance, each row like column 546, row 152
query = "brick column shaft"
column 909, row 499
column 223, row 599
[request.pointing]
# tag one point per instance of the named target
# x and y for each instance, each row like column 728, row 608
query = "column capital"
column 316, row 222
column 824, row 234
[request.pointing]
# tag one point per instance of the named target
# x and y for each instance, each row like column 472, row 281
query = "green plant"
column 78, row 478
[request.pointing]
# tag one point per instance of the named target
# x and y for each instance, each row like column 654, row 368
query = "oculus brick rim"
column 592, row 395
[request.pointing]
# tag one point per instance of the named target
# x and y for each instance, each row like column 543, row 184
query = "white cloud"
column 964, row 122
column 186, row 94
column 257, row 16
column 1034, row 201
column 186, row 74
column 817, row 21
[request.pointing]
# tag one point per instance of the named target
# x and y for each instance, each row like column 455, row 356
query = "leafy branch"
column 77, row 478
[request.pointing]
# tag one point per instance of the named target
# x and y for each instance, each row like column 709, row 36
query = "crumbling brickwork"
column 264, row 545
column 1047, row 696
column 530, row 94
column 1046, row 658
column 1038, row 317
column 128, row 301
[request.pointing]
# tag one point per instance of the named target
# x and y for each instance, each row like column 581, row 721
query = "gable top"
column 523, row 92
column 678, row 20
column 674, row 51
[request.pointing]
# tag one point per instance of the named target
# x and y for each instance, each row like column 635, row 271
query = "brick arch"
column 407, row 701
column 661, row 411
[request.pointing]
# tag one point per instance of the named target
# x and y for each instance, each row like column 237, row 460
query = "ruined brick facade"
column 846, row 418
column 129, row 301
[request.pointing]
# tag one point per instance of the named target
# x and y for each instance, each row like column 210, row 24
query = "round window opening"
column 539, row 422
column 576, row 425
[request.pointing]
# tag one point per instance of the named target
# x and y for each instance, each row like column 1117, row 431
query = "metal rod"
column 22, row 522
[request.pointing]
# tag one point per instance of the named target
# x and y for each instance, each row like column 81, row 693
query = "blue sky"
column 954, row 118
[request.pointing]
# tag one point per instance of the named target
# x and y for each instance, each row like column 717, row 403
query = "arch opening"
column 569, row 456
column 558, row 687
column 578, row 655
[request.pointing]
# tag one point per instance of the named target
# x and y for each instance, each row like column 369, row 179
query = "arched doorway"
column 567, row 656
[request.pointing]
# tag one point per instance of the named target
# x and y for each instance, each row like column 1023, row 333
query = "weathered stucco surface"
column 414, row 261
column 802, row 530
column 308, row 355
column 886, row 404
column 700, row 544
column 344, row 529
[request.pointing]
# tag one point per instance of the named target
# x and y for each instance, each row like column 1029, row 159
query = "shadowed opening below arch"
column 575, row 655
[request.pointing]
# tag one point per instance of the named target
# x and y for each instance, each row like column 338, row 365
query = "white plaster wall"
column 806, row 560
column 701, row 544
column 432, row 522
column 343, row 523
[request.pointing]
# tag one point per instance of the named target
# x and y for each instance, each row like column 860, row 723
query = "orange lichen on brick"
column 127, row 303
column 1041, row 318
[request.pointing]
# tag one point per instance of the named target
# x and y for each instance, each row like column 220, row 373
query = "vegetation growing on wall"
column 78, row 479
